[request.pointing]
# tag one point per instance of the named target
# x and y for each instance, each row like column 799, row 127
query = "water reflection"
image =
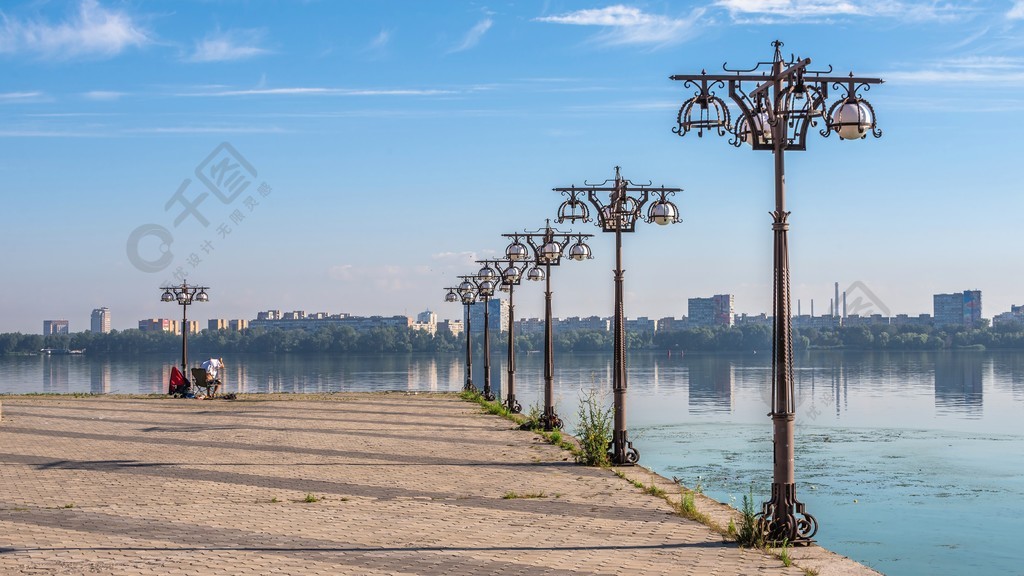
column 710, row 379
column 99, row 377
column 958, row 386
column 56, row 374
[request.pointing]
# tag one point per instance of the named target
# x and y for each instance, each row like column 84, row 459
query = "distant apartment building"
column 453, row 327
column 576, row 323
column 100, row 320
column 756, row 319
column 215, row 324
column 670, row 324
column 299, row 320
column 426, row 322
column 51, row 327
column 238, row 325
column 158, row 325
column 641, row 325
column 498, row 312
column 959, row 310
column 1014, row 317
column 919, row 321
column 530, row 326
column 872, row 320
column 709, row 312
column 819, row 322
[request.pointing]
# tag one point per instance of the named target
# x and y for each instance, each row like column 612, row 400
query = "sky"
column 356, row 157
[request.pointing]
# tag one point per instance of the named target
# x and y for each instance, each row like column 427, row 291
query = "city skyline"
column 376, row 166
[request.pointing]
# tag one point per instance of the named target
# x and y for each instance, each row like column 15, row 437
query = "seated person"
column 213, row 367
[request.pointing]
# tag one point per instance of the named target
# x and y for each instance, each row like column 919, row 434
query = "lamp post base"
column 512, row 405
column 469, row 387
column 488, row 394
column 550, row 421
column 783, row 519
column 621, row 451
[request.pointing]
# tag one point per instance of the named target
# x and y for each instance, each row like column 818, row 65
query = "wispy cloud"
column 103, row 95
column 1016, row 11
column 776, row 11
column 630, row 25
column 318, row 91
column 93, row 31
column 223, row 46
column 16, row 97
column 380, row 41
column 473, row 37
column 1004, row 71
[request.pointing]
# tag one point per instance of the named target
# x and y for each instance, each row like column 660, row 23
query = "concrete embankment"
column 332, row 484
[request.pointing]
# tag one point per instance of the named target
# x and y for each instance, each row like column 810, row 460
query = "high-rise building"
column 158, row 325
column 100, row 320
column 238, row 325
column 960, row 309
column 214, row 324
column 498, row 309
column 55, row 327
column 714, row 311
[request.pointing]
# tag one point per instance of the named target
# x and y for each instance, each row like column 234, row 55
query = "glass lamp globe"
column 182, row 297
column 511, row 275
column 517, row 252
column 551, row 251
column 486, row 288
column 852, row 120
column 451, row 297
column 202, row 296
column 487, row 273
column 536, row 274
column 167, row 297
column 662, row 212
column 579, row 251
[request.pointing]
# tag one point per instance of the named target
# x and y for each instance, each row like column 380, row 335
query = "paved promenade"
column 395, row 483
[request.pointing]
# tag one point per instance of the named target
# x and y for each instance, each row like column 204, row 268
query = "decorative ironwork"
column 778, row 102
column 619, row 215
column 510, row 276
column 549, row 247
column 184, row 295
column 466, row 294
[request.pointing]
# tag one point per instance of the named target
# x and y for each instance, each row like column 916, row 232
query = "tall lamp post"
column 485, row 282
column 511, row 276
column 625, row 205
column 778, row 102
column 466, row 295
column 184, row 295
column 548, row 247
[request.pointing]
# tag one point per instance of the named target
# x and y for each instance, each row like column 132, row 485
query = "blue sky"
column 395, row 142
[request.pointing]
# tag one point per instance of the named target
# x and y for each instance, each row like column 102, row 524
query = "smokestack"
column 812, row 307
column 798, row 308
column 836, row 309
column 831, row 308
column 844, row 304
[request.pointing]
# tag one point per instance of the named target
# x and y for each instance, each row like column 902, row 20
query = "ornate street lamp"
column 465, row 293
column 184, row 295
column 548, row 246
column 485, row 281
column 778, row 102
column 625, row 205
column 511, row 276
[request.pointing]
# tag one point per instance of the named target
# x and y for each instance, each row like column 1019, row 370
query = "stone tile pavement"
column 396, row 483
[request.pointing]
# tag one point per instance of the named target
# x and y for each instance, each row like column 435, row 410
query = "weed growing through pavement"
column 784, row 553
column 70, row 505
column 751, row 535
column 310, row 497
column 593, row 430
column 511, row 495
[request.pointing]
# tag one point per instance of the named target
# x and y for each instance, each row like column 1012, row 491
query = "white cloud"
column 228, row 45
column 319, row 91
column 995, row 70
column 13, row 97
column 103, row 95
column 93, row 31
column 629, row 25
column 776, row 11
column 380, row 41
column 1016, row 11
column 473, row 37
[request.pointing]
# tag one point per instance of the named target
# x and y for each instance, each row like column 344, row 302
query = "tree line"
column 344, row 339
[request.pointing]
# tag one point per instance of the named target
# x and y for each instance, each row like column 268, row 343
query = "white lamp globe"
column 579, row 251
column 852, row 120
column 662, row 212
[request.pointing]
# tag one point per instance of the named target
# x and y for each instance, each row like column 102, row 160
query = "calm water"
column 912, row 463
